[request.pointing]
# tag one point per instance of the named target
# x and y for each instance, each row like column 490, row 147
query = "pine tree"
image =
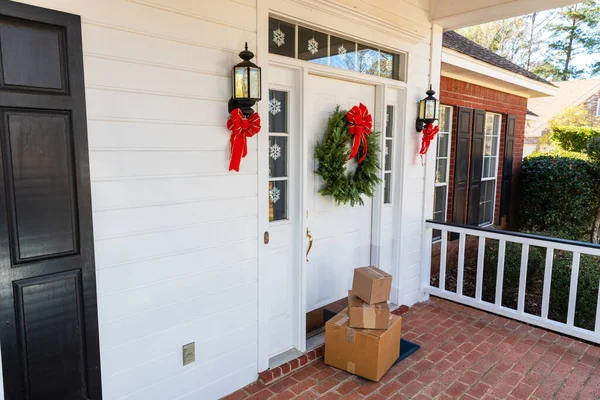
column 573, row 32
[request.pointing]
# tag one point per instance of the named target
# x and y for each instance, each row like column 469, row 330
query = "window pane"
column 277, row 200
column 494, row 146
column 387, row 188
column 388, row 155
column 389, row 122
column 443, row 144
column 389, row 65
column 312, row 45
column 277, row 156
column 342, row 53
column 282, row 38
column 445, row 122
column 489, row 123
column 486, row 167
column 441, row 168
column 368, row 60
column 496, row 125
column 439, row 202
column 486, row 205
column 278, row 111
column 487, row 146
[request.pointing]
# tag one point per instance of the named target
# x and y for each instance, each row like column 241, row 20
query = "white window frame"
column 390, row 140
column 450, row 110
column 598, row 108
column 495, row 176
column 286, row 178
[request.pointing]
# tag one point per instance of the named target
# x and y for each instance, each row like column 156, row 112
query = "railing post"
column 461, row 264
column 443, row 259
column 500, row 272
column 547, row 282
column 426, row 261
column 480, row 260
column 523, row 277
column 573, row 289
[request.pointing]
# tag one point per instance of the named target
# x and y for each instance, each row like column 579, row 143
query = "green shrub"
column 573, row 138
column 559, row 193
column 593, row 150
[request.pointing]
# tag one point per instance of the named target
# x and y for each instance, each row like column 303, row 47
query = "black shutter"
column 461, row 171
column 476, row 166
column 507, row 167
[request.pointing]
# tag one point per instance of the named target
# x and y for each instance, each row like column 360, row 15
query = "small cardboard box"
column 372, row 285
column 367, row 316
column 365, row 352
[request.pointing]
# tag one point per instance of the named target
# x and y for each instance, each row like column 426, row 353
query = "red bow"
column 428, row 134
column 361, row 123
column 241, row 128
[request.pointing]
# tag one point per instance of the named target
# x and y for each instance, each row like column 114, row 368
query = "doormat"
column 406, row 349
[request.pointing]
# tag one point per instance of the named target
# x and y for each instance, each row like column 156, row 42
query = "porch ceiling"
column 454, row 14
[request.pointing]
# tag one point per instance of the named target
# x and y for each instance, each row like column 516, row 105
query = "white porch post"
column 434, row 79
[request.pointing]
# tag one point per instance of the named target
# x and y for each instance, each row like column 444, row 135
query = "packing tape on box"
column 350, row 335
column 350, row 367
column 376, row 272
column 342, row 321
column 369, row 316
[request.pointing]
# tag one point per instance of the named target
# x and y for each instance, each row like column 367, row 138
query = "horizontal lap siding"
column 463, row 94
column 176, row 245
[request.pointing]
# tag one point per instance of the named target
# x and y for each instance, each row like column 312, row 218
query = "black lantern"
column 245, row 84
column 428, row 110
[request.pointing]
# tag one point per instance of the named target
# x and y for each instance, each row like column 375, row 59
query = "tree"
column 572, row 33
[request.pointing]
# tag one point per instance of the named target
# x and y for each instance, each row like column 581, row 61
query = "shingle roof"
column 455, row 41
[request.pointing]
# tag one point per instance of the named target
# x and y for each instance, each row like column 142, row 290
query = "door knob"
column 310, row 243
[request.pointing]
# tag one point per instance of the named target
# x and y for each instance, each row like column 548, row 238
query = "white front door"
column 341, row 233
column 282, row 254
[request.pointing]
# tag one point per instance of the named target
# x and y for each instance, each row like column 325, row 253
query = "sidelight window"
column 278, row 155
column 442, row 168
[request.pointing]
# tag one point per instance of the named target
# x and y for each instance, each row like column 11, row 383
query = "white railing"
column 503, row 237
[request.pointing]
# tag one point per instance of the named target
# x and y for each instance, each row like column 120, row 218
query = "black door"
column 507, row 168
column 49, row 325
column 476, row 168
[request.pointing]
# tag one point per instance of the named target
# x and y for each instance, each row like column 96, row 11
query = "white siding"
column 176, row 234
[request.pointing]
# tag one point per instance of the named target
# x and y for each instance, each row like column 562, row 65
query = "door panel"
column 461, row 172
column 507, row 167
column 341, row 234
column 476, row 168
column 49, row 330
column 281, row 253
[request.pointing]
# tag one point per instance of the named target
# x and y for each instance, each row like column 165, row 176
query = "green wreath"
column 332, row 155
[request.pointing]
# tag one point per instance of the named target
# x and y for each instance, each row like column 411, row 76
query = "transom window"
column 442, row 170
column 291, row 40
column 491, row 147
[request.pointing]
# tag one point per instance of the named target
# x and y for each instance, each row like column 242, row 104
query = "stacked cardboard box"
column 364, row 339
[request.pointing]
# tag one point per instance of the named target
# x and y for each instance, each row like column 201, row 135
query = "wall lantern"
column 246, row 84
column 428, row 110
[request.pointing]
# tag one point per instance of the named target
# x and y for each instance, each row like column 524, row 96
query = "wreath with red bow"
column 349, row 142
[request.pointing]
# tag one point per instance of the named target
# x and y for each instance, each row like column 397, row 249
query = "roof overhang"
column 465, row 68
column 454, row 14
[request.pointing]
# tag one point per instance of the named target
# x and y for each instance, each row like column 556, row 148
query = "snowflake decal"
column 387, row 151
column 275, row 151
column 279, row 37
column 313, row 46
column 342, row 50
column 274, row 106
column 274, row 195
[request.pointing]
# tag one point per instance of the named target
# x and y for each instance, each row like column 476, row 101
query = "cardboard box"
column 365, row 352
column 367, row 316
column 372, row 285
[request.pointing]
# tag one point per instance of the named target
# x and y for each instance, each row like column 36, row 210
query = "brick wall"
column 591, row 104
column 463, row 94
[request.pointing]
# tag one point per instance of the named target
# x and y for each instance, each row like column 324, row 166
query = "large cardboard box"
column 372, row 285
column 367, row 316
column 365, row 352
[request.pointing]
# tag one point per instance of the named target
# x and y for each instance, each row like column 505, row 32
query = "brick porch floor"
column 465, row 354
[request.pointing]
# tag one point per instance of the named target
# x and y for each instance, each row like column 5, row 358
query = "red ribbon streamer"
column 428, row 134
column 360, row 127
column 241, row 128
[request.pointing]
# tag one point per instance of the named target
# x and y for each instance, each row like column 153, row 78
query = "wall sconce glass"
column 428, row 110
column 246, row 84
